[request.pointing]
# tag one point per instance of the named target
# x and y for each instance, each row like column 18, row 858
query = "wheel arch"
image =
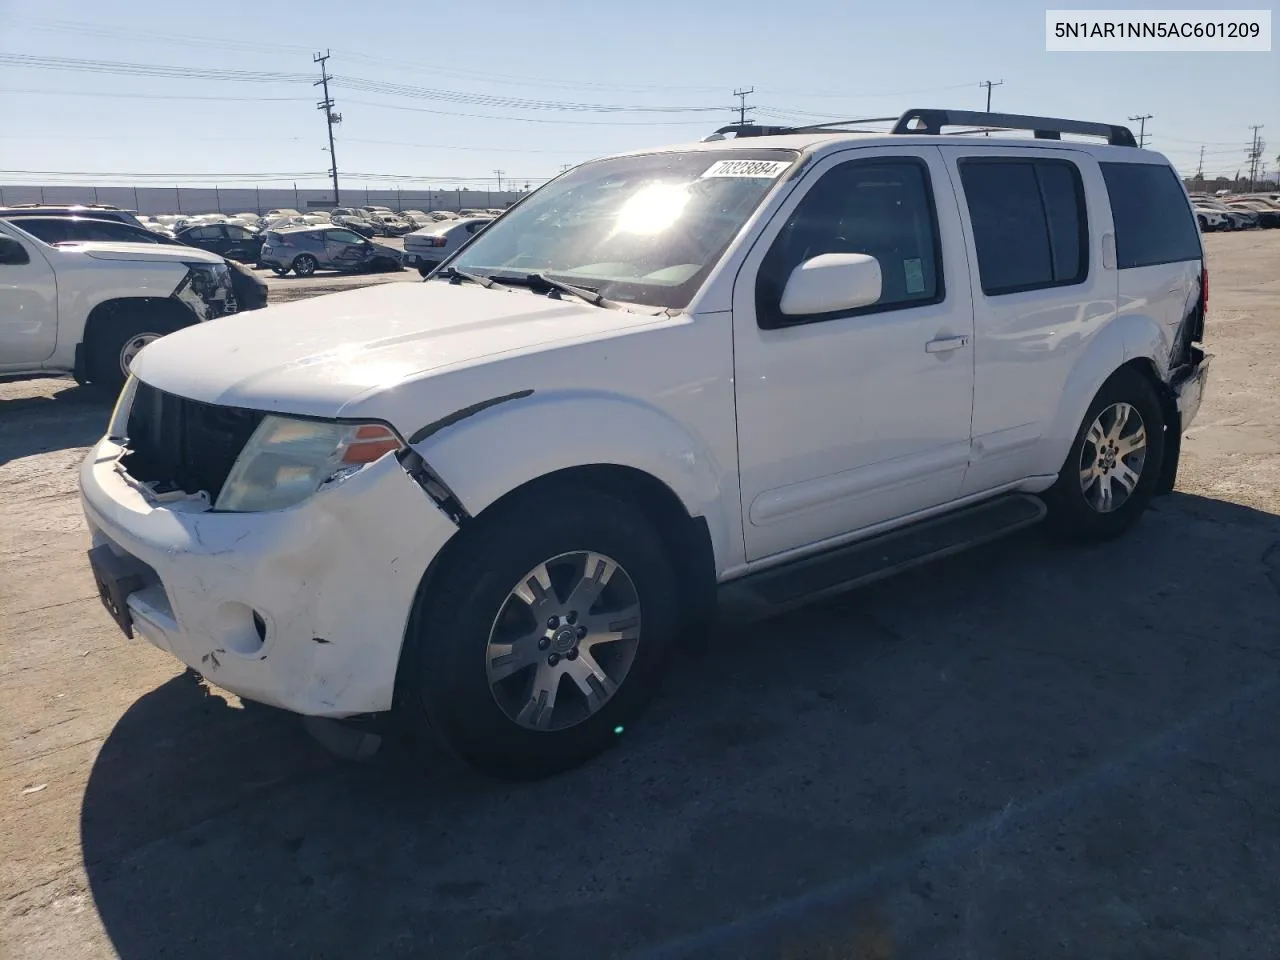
column 1132, row 341
column 106, row 311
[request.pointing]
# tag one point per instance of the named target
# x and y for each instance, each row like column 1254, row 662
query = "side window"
column 881, row 207
column 1154, row 222
column 1029, row 223
column 342, row 236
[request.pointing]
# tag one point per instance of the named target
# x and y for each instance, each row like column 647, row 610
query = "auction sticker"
column 760, row 169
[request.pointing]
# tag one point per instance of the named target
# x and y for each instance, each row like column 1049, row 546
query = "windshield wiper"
column 454, row 275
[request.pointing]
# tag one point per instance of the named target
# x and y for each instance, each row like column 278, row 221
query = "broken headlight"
column 206, row 289
column 288, row 459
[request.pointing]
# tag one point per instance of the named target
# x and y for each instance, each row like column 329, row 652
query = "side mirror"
column 831, row 282
column 12, row 253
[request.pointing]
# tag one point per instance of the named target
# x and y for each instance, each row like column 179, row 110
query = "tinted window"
column 343, row 236
column 50, row 231
column 1154, row 223
column 238, row 233
column 883, row 208
column 1029, row 223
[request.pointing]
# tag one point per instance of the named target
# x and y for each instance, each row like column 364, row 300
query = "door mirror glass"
column 12, row 253
column 830, row 282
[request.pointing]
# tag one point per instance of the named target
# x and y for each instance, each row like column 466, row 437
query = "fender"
column 1127, row 337
column 486, row 454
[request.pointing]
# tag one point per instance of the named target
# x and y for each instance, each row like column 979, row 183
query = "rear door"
column 241, row 243
column 1036, row 220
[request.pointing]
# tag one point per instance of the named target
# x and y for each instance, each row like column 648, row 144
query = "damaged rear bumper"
column 1188, row 386
column 303, row 609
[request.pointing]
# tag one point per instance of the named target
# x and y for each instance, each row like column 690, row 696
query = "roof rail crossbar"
column 929, row 121
column 759, row 130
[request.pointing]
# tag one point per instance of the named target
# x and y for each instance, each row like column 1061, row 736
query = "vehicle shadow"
column 72, row 416
column 787, row 759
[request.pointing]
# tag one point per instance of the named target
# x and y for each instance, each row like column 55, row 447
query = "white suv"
column 761, row 368
column 87, row 308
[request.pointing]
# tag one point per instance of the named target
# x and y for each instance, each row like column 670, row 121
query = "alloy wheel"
column 132, row 347
column 1112, row 457
column 563, row 641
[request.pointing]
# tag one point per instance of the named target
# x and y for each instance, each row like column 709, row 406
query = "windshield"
column 643, row 229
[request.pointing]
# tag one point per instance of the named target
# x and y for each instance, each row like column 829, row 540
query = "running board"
column 844, row 568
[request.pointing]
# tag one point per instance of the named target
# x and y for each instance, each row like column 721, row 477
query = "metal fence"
column 152, row 200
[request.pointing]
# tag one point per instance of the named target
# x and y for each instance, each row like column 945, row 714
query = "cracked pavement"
column 1028, row 750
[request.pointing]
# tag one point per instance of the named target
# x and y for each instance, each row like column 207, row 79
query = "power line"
column 742, row 104
column 486, row 116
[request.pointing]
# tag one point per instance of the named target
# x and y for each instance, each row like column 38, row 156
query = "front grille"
column 185, row 445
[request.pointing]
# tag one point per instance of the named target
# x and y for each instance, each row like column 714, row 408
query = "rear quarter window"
column 1153, row 219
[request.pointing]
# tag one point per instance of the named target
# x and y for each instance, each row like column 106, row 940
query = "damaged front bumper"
column 303, row 609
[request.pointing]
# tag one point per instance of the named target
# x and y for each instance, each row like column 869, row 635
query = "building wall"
column 153, row 200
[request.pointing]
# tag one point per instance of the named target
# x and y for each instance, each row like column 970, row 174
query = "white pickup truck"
column 88, row 308
column 755, row 370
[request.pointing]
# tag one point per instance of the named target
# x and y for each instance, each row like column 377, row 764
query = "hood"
column 320, row 357
column 150, row 252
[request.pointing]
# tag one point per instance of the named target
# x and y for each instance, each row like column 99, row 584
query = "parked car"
column 79, row 229
column 491, row 504
column 96, row 211
column 1209, row 219
column 278, row 212
column 307, row 249
column 89, row 307
column 1239, row 219
column 1268, row 216
column 426, row 249
column 231, row 240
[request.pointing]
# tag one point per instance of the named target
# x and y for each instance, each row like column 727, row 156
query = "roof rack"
column 758, row 130
column 930, row 122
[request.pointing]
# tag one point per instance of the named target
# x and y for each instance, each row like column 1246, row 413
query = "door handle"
column 945, row 344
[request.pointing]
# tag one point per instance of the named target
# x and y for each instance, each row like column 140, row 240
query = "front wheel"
column 1113, row 468
column 544, row 636
column 116, row 340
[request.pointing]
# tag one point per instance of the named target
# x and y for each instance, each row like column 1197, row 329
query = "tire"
column 1203, row 223
column 279, row 271
column 304, row 265
column 1077, row 508
column 125, row 330
column 448, row 688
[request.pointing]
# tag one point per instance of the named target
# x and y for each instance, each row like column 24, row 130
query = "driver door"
column 851, row 419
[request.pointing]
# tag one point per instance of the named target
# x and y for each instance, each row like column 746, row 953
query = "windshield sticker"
column 914, row 271
column 758, row 169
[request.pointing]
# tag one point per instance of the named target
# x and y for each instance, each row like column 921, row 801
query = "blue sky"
column 820, row 58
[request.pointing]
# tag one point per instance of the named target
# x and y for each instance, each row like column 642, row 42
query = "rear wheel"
column 279, row 271
column 1113, row 468
column 304, row 265
column 545, row 635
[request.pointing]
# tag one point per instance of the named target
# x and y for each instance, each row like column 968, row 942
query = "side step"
column 843, row 568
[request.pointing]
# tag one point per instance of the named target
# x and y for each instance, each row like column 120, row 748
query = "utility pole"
column 499, row 174
column 742, row 104
column 1255, row 154
column 330, row 118
column 1200, row 168
column 1142, row 129
column 989, row 84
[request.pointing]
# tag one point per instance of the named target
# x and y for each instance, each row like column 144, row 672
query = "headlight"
column 206, row 289
column 287, row 460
